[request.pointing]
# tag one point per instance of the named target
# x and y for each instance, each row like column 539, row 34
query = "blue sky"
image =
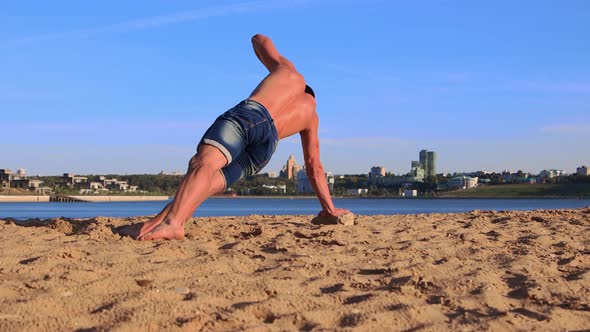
column 128, row 87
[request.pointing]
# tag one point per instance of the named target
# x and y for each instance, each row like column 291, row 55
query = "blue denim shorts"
column 247, row 136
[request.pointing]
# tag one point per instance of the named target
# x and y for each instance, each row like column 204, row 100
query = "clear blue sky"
column 130, row 87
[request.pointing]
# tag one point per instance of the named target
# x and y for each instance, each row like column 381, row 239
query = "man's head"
column 309, row 90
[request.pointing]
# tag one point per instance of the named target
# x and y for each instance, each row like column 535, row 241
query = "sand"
column 472, row 271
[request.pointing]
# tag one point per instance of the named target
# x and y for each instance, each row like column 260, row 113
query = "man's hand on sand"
column 335, row 217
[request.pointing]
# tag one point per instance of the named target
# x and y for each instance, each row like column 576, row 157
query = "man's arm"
column 267, row 53
column 315, row 171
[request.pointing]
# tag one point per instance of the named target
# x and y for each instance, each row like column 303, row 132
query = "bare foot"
column 135, row 231
column 132, row 231
column 164, row 231
column 147, row 226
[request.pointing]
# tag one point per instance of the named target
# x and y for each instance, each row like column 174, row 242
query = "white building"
column 356, row 192
column 104, row 184
column 71, row 179
column 96, row 185
column 280, row 188
column 462, row 182
column 551, row 173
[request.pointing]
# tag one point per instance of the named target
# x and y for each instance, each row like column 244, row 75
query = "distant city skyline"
column 371, row 171
column 489, row 86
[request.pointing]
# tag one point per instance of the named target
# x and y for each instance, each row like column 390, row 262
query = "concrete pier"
column 63, row 198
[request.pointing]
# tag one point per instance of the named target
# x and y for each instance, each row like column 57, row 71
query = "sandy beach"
column 470, row 271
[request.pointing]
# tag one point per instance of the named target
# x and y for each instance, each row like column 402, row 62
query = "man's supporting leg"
column 202, row 180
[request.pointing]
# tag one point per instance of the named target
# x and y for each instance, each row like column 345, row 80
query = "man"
column 241, row 142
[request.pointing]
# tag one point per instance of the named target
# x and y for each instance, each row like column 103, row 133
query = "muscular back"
column 291, row 110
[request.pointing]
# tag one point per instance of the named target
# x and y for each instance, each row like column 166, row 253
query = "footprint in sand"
column 357, row 298
column 350, row 320
column 527, row 239
column 519, row 285
column 332, row 289
column 529, row 314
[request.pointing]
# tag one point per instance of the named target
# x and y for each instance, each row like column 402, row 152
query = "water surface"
column 281, row 206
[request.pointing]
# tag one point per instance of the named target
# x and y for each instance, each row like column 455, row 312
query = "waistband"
column 258, row 106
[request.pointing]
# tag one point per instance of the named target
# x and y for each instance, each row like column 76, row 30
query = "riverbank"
column 539, row 190
column 458, row 271
column 23, row 198
column 121, row 198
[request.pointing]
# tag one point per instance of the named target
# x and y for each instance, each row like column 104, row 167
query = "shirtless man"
column 242, row 140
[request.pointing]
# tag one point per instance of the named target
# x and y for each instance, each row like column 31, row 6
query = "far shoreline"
column 124, row 198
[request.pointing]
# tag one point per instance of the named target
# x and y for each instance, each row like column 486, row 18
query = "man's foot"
column 135, row 231
column 149, row 225
column 164, row 231
column 132, row 231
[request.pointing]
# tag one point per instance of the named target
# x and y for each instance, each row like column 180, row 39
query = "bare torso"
column 282, row 92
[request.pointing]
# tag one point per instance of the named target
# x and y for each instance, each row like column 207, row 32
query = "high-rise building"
column 428, row 161
column 424, row 159
column 583, row 170
column 431, row 171
column 377, row 172
column 289, row 171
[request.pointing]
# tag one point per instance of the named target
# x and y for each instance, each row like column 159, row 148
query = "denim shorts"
column 247, row 136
